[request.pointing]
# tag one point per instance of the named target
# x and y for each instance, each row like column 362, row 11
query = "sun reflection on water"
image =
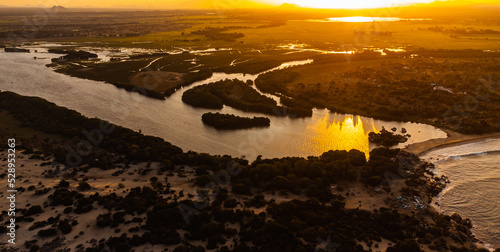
column 361, row 19
column 349, row 133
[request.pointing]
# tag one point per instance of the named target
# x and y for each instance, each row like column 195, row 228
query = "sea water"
column 474, row 189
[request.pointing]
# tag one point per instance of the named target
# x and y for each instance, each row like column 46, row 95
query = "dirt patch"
column 158, row 81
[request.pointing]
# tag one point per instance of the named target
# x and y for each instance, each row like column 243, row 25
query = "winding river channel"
column 181, row 124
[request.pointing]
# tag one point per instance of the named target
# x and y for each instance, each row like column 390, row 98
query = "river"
column 181, row 124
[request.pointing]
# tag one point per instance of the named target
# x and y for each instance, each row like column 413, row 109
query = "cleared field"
column 323, row 35
column 159, row 81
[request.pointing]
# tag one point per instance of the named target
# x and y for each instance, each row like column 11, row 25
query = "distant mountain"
column 57, row 8
column 289, row 6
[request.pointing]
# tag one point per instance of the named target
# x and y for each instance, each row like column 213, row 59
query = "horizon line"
column 259, row 7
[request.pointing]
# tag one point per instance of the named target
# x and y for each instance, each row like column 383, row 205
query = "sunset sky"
column 228, row 4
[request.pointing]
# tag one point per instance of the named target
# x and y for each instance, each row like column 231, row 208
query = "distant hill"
column 289, row 6
column 58, row 8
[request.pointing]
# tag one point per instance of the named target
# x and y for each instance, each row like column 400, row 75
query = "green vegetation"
column 386, row 138
column 121, row 71
column 222, row 121
column 294, row 225
column 450, row 84
column 213, row 33
column 72, row 55
column 423, row 89
column 44, row 116
column 234, row 93
column 315, row 175
column 290, row 224
column 119, row 74
column 8, row 49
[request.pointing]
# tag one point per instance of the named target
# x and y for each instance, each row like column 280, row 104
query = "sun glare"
column 355, row 4
column 349, row 133
column 360, row 19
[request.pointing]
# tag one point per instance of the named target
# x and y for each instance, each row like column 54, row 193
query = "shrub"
column 203, row 180
column 83, row 186
column 47, row 232
column 34, row 210
column 65, row 227
column 63, row 184
column 241, row 188
column 232, row 203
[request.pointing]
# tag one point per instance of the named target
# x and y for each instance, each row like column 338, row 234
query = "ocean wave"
column 472, row 192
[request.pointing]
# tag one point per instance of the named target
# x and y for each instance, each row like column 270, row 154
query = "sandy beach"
column 453, row 139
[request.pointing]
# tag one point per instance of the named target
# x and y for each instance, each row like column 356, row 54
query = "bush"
column 242, row 189
column 231, row 203
column 104, row 220
column 181, row 249
column 47, row 232
column 62, row 197
column 65, row 227
column 83, row 186
column 34, row 210
column 63, row 184
column 202, row 180
column 234, row 93
column 408, row 245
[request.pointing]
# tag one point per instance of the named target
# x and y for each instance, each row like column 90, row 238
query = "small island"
column 15, row 49
column 226, row 121
column 386, row 138
column 72, row 55
column 234, row 93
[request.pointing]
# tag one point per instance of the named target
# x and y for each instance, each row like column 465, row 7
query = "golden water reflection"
column 340, row 134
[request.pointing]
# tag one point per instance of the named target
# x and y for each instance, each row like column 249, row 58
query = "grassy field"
column 325, row 73
column 343, row 35
column 323, row 35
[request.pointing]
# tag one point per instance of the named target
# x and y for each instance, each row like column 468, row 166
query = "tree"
column 408, row 245
column 202, row 180
column 63, row 184
column 34, row 210
column 241, row 188
column 83, row 186
column 65, row 227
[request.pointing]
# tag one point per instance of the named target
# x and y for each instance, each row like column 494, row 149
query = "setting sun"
column 354, row 4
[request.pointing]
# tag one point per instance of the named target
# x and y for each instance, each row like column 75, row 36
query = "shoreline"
column 453, row 139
